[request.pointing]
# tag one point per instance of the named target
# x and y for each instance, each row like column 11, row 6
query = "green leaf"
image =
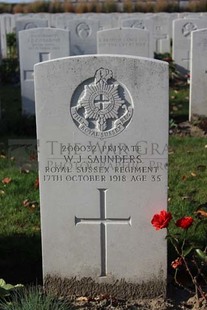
column 3, row 292
column 201, row 223
column 18, row 285
column 188, row 250
column 2, row 282
column 172, row 238
column 8, row 287
column 201, row 255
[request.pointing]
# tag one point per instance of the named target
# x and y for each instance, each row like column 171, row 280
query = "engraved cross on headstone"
column 103, row 221
column 29, row 74
column 101, row 102
column 159, row 39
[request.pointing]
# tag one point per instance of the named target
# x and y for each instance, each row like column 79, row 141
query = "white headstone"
column 125, row 41
column 198, row 78
column 182, row 29
column 106, row 21
column 7, row 25
column 144, row 24
column 37, row 45
column 53, row 20
column 62, row 19
column 161, row 32
column 30, row 23
column 102, row 125
column 83, row 35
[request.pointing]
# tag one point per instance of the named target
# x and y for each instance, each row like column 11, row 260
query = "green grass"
column 20, row 244
column 188, row 181
column 14, row 216
column 187, row 173
column 179, row 104
column 33, row 299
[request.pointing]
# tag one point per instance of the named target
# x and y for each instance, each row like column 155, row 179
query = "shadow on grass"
column 20, row 260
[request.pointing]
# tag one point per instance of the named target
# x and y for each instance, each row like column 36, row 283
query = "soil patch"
column 196, row 128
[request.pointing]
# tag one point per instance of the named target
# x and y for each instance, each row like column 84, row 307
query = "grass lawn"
column 20, row 245
column 188, row 182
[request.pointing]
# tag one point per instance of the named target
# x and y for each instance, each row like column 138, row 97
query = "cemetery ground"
column 20, row 240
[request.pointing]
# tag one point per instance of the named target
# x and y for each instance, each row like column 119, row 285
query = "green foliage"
column 12, row 122
column 58, row 6
column 179, row 103
column 5, row 8
column 55, row 7
column 11, row 45
column 9, row 67
column 187, row 178
column 175, row 77
column 33, row 299
column 15, row 215
column 109, row 6
column 172, row 124
column 6, row 289
column 202, row 255
column 20, row 244
column 38, row 6
column 128, row 6
column 9, row 70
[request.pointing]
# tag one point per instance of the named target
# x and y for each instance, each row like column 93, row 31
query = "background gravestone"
column 102, row 125
column 83, row 35
column 37, row 45
column 198, row 79
column 161, row 32
column 144, row 24
column 30, row 23
column 7, row 25
column 125, row 41
column 182, row 29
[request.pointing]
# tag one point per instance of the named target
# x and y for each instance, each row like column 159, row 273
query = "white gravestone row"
column 198, row 79
column 105, row 21
column 37, row 45
column 159, row 26
column 84, row 32
column 125, row 41
column 102, row 123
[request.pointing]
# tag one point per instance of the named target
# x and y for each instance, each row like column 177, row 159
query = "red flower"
column 161, row 220
column 185, row 222
column 176, row 263
column 6, row 180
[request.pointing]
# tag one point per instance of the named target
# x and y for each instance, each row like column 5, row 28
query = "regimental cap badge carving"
column 83, row 30
column 30, row 26
column 188, row 28
column 138, row 24
column 101, row 106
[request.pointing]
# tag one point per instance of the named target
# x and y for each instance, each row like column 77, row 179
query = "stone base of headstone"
column 72, row 287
